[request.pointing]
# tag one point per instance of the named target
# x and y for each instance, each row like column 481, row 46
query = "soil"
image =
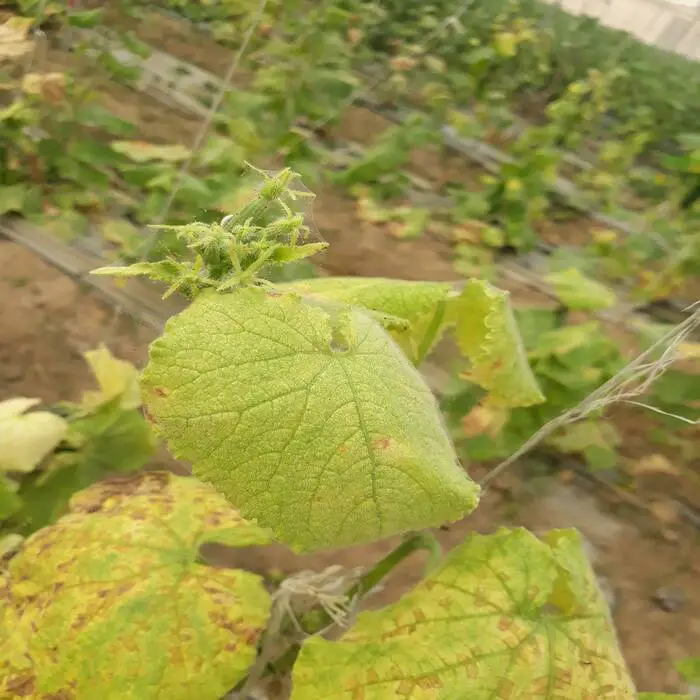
column 48, row 320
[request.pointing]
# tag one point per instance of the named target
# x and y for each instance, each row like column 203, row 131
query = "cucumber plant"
column 301, row 410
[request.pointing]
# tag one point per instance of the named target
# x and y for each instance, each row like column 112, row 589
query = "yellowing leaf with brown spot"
column 112, row 601
column 26, row 438
column 507, row 616
column 483, row 420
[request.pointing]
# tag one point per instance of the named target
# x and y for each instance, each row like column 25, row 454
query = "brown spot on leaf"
column 429, row 682
column 161, row 391
column 405, row 687
column 148, row 415
column 22, row 686
column 382, row 443
column 506, row 689
column 504, row 624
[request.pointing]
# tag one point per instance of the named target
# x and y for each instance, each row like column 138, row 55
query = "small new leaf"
column 163, row 271
column 112, row 602
column 27, row 438
column 307, row 416
column 507, row 616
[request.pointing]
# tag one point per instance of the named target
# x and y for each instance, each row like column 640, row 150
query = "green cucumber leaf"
column 307, row 417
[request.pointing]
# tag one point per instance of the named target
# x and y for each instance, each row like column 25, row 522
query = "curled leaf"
column 14, row 38
column 112, row 602
column 487, row 334
column 26, row 438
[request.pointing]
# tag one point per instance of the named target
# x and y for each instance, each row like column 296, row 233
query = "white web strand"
column 299, row 594
column 625, row 387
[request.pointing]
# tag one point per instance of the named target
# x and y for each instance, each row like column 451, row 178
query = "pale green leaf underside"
column 480, row 316
column 111, row 602
column 327, row 448
column 507, row 616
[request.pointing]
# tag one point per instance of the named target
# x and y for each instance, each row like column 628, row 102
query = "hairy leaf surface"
column 309, row 418
column 506, row 616
column 111, row 602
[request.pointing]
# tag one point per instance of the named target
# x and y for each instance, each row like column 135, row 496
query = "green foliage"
column 113, row 601
column 690, row 670
column 382, row 165
column 579, row 293
column 47, row 457
column 26, row 438
column 552, row 49
column 543, row 630
column 568, row 362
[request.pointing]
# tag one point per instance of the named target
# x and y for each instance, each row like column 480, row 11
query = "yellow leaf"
column 115, row 377
column 689, row 351
column 142, row 152
column 51, row 87
column 655, row 464
column 14, row 42
column 26, row 438
column 506, row 43
column 484, row 420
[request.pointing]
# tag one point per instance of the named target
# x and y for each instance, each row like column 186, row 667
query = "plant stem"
column 413, row 542
column 318, row 619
